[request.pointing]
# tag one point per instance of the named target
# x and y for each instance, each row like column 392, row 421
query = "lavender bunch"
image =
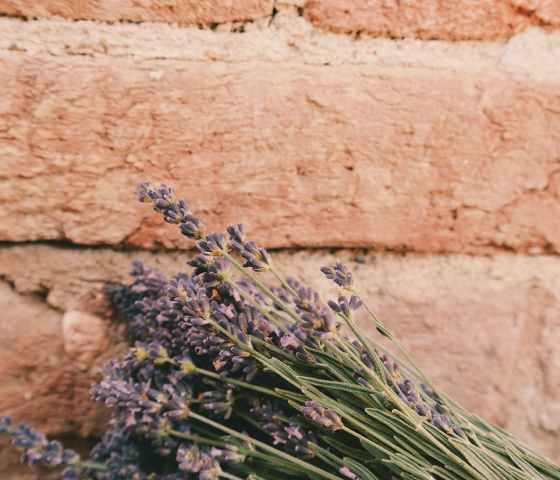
column 378, row 418
column 237, row 378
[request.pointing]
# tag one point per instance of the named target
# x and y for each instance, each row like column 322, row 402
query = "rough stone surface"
column 183, row 12
column 484, row 328
column 286, row 38
column 84, row 335
column 429, row 19
column 39, row 384
column 305, row 155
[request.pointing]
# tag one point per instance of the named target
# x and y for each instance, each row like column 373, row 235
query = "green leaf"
column 376, row 450
column 343, row 448
column 292, row 395
column 446, row 474
column 359, row 469
column 338, row 385
column 407, row 466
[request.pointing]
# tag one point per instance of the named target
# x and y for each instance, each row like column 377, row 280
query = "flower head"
column 214, row 245
column 340, row 275
column 344, row 306
column 237, row 233
column 218, row 272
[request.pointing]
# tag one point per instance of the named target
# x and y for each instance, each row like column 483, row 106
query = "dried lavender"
column 236, row 378
column 331, row 378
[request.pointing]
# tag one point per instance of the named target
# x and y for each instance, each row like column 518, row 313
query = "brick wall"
column 348, row 129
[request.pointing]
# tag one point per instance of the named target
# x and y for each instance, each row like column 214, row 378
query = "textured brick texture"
column 486, row 329
column 306, row 156
column 39, row 384
column 312, row 139
column 429, row 19
column 183, row 12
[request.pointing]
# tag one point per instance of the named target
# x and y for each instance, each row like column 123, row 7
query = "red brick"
column 183, row 12
column 431, row 19
column 307, row 156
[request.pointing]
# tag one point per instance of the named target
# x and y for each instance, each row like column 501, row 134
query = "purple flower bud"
column 442, row 422
column 237, row 233
column 344, row 305
column 421, row 409
column 430, row 392
column 214, row 245
column 303, row 356
column 459, row 432
column 296, row 441
column 236, row 245
column 334, row 306
column 288, row 341
column 364, row 382
column 5, row 424
column 193, row 228
column 255, row 257
column 384, row 331
column 326, row 418
column 348, row 473
column 333, row 416
column 218, row 272
column 340, row 275
column 367, row 361
column 143, row 189
column 355, row 303
column 328, row 272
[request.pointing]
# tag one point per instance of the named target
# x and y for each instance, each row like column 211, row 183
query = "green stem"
column 328, row 461
column 379, row 383
column 391, row 337
column 296, row 461
column 196, row 438
column 262, row 287
column 238, row 382
column 422, row 431
column 247, row 297
column 276, row 460
column 360, row 336
column 358, row 361
column 284, row 283
column 230, row 476
column 261, row 358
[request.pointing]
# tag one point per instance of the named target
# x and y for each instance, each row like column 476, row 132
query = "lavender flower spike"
column 344, row 306
column 256, row 257
column 38, row 450
column 214, row 245
column 237, row 233
column 218, row 272
column 174, row 211
column 327, row 418
column 340, row 275
column 193, row 460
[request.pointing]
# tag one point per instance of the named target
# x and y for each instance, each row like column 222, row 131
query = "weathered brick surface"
column 429, row 19
column 183, row 12
column 306, row 156
column 485, row 329
column 39, row 384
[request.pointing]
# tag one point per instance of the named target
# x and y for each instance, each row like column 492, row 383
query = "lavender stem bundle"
column 239, row 379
